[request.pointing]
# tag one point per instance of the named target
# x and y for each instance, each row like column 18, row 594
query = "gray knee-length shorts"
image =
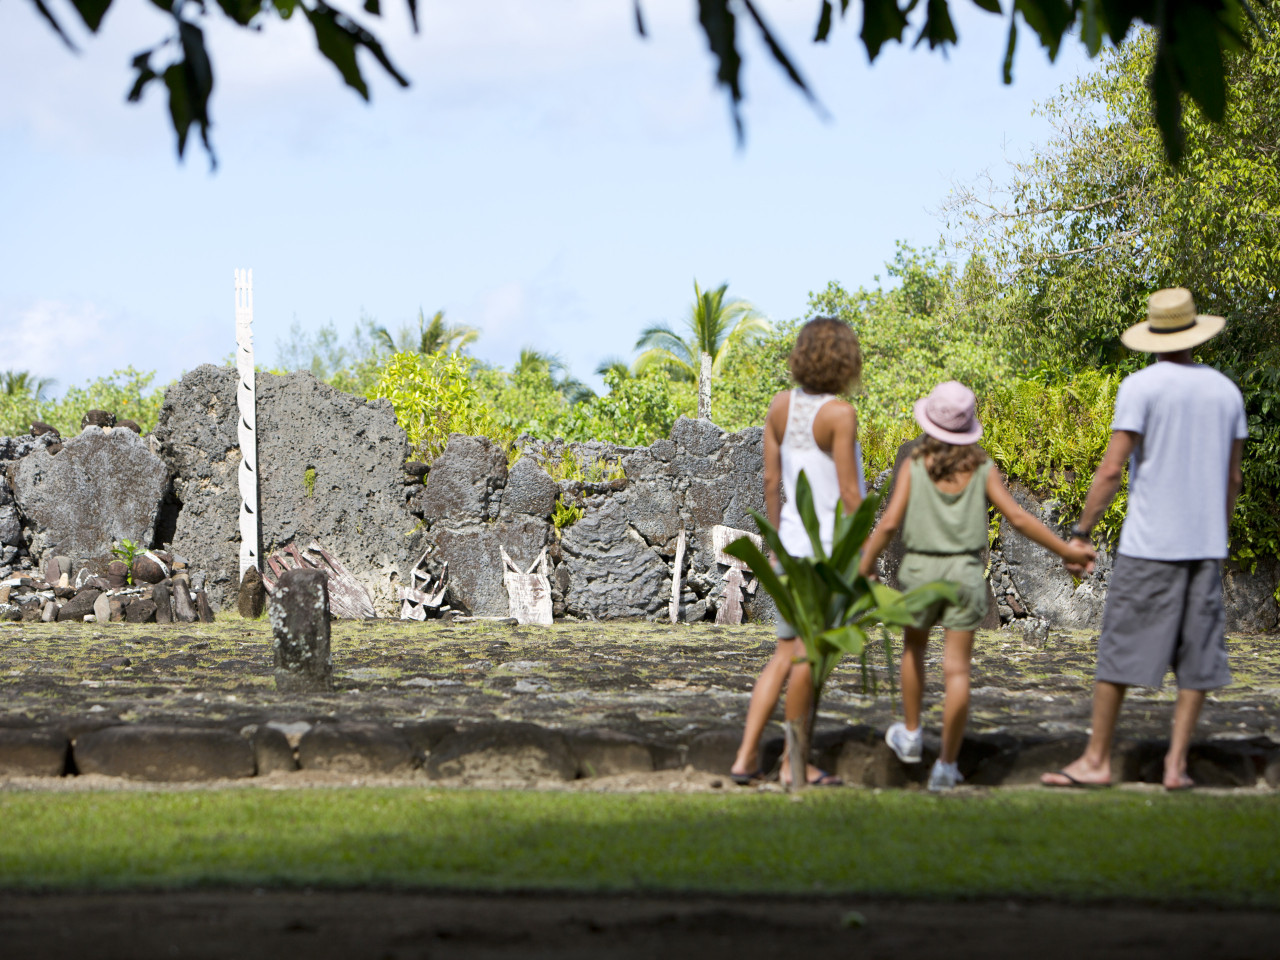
column 1163, row 614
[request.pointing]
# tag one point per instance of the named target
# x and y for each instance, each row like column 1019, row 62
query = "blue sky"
column 549, row 177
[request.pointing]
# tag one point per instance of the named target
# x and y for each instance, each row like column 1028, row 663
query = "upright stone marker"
column 247, row 426
column 298, row 608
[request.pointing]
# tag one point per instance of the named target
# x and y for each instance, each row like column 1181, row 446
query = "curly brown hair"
column 827, row 357
column 948, row 459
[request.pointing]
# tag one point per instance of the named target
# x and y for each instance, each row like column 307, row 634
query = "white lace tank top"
column 800, row 451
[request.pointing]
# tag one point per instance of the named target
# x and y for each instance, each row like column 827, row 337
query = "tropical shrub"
column 635, row 412
column 433, row 396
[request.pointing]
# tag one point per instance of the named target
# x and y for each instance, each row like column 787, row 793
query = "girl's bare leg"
column 912, row 675
column 764, row 697
column 955, row 709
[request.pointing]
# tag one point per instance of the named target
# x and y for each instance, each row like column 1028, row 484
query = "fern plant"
column 832, row 607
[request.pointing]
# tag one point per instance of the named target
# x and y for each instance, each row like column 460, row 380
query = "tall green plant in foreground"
column 832, row 606
column 433, row 396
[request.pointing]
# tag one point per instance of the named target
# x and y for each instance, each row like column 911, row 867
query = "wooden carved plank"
column 247, row 424
column 348, row 598
column 676, row 580
column 722, row 536
column 528, row 593
column 730, row 611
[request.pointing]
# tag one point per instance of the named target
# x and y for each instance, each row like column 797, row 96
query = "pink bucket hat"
column 947, row 414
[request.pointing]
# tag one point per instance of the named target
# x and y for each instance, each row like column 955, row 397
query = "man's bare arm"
column 1106, row 480
column 1235, row 478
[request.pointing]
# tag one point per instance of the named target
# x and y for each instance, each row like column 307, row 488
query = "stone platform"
column 494, row 703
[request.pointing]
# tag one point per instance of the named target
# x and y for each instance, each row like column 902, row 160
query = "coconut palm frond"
column 382, row 337
column 574, row 391
column 22, row 383
column 657, row 358
column 615, row 365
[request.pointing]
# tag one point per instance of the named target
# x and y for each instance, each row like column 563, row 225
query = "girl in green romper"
column 939, row 501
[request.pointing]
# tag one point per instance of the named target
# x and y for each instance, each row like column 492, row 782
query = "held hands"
column 1079, row 557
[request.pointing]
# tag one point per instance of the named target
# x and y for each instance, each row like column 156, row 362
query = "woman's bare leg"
column 912, row 675
column 955, row 708
column 764, row 697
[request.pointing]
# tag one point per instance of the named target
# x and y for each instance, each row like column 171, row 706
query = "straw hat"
column 948, row 414
column 1172, row 324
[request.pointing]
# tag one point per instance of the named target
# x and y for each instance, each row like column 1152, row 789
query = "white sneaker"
column 944, row 776
column 907, row 744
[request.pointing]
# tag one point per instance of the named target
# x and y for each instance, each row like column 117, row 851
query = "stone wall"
column 333, row 469
column 618, row 559
column 352, row 500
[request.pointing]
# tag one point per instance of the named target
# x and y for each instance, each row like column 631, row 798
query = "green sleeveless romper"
column 944, row 535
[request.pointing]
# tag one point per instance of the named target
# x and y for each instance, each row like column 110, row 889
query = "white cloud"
column 73, row 342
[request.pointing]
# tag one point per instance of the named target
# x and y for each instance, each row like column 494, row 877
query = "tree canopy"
column 1192, row 41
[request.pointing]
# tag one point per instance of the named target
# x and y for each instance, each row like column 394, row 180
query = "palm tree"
column 21, row 383
column 615, row 365
column 434, row 336
column 533, row 362
column 715, row 327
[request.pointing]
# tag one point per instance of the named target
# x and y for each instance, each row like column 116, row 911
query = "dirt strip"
column 249, row 925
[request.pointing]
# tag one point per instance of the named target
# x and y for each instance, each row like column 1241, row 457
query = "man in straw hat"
column 1182, row 427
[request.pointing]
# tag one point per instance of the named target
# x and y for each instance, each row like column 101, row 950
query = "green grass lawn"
column 1120, row 844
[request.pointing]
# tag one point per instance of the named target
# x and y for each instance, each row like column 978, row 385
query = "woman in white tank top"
column 808, row 428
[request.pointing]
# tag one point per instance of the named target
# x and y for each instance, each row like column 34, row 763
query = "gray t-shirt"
column 1188, row 416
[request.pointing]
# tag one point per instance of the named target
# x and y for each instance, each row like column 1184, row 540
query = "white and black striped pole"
column 247, row 424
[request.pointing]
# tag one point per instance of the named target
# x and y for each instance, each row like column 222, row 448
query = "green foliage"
column 1095, row 221
column 126, row 393
column 568, row 467
column 1194, row 38
column 432, row 336
column 635, row 412
column 927, row 329
column 1051, row 436
column 832, row 606
column 127, row 551
column 353, row 366
column 566, row 514
column 714, row 326
column 750, row 378
column 309, row 481
column 534, row 397
column 433, row 396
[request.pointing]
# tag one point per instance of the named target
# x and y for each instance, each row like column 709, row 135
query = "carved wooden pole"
column 247, row 425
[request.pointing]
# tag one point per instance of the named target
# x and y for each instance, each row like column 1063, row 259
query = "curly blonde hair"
column 948, row 459
column 827, row 357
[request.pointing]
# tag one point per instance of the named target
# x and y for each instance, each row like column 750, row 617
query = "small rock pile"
column 155, row 589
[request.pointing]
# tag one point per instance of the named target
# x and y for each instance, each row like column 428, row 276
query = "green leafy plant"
column 127, row 551
column 566, row 514
column 309, row 481
column 832, row 607
column 568, row 467
column 433, row 396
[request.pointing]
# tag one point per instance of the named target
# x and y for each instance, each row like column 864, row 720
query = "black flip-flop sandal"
column 1072, row 783
column 747, row 779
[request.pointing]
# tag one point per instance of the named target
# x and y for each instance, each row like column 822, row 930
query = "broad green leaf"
column 824, row 23
column 775, row 50
column 719, row 26
column 808, row 515
column 92, row 12
column 882, row 21
column 938, row 28
column 848, row 639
